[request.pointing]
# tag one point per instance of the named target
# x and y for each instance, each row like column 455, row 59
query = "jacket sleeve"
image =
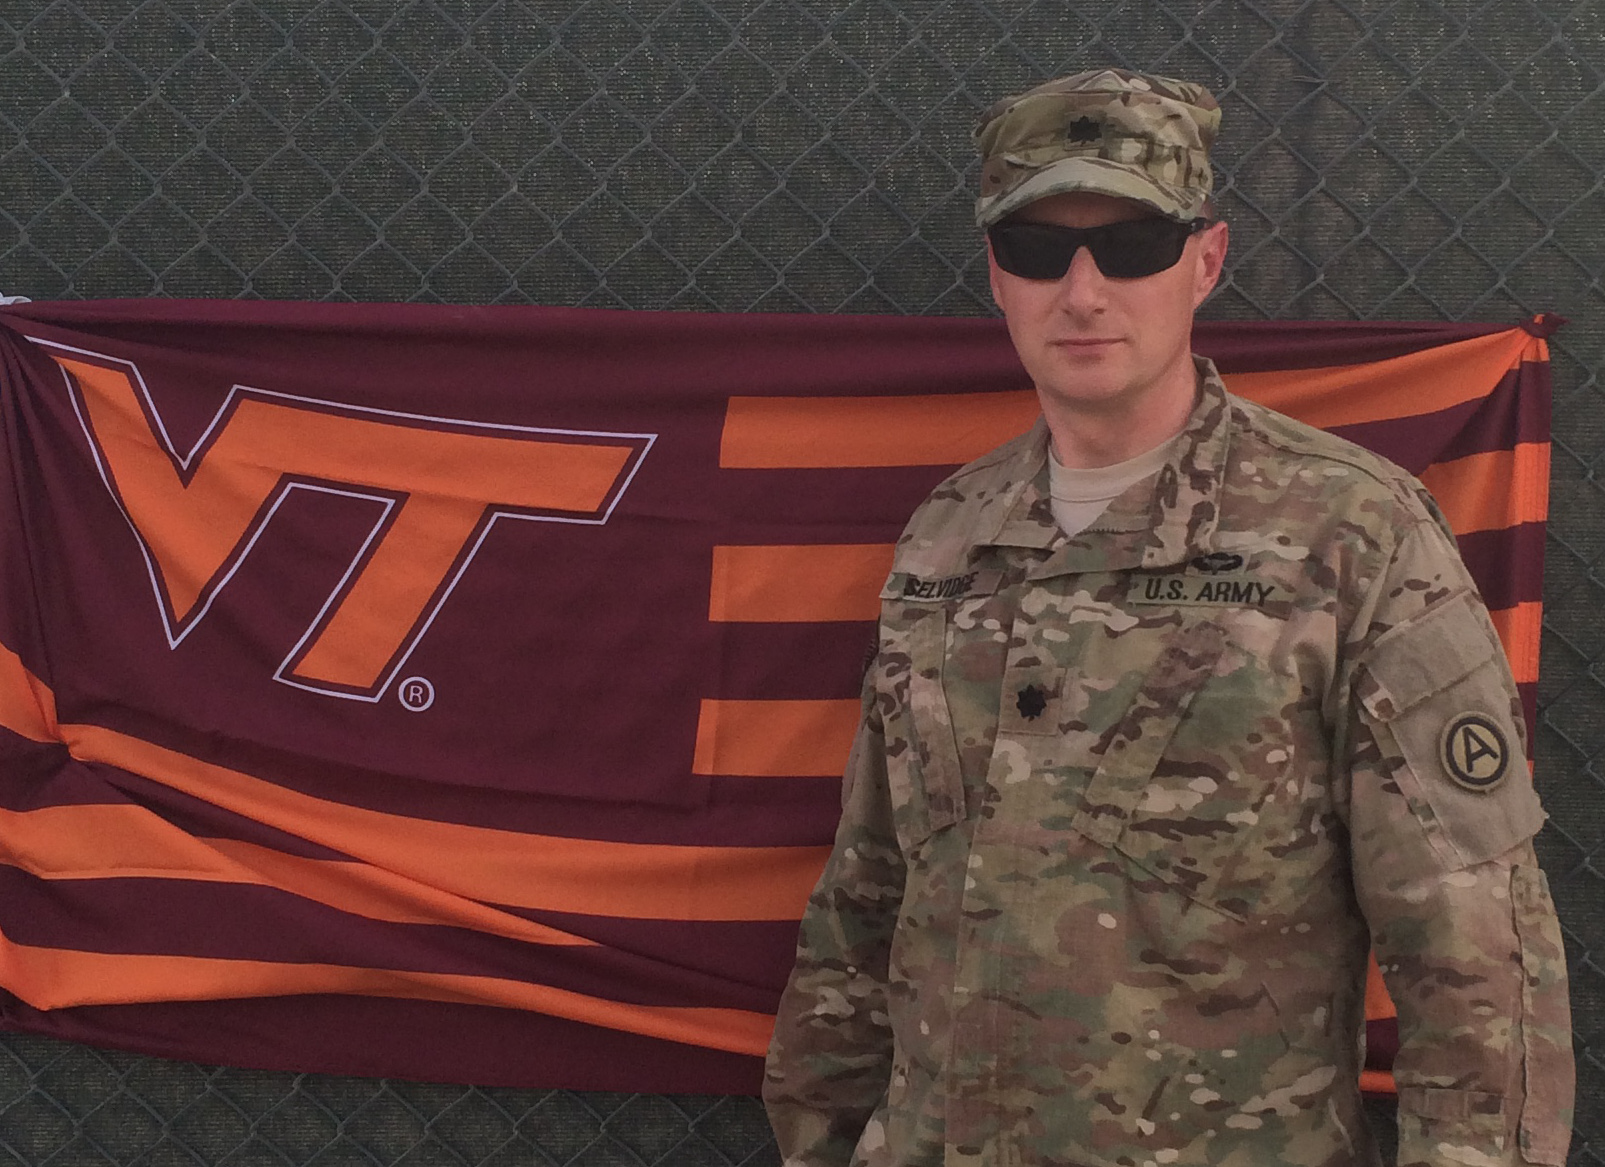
column 1441, row 816
column 831, row 1056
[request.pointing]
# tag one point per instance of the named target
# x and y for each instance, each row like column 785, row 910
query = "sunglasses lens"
column 1034, row 251
column 1124, row 251
column 1143, row 247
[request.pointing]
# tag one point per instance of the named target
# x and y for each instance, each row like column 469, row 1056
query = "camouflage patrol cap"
column 1109, row 131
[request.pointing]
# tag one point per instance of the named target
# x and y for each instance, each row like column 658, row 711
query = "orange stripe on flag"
column 776, row 433
column 583, row 876
column 1378, row 1005
column 124, row 841
column 1520, row 630
column 1500, row 488
column 787, row 585
column 53, row 978
column 27, row 706
column 1377, row 1082
column 1419, row 382
column 775, row 739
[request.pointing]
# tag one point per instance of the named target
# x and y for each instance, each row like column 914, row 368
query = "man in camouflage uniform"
column 1140, row 782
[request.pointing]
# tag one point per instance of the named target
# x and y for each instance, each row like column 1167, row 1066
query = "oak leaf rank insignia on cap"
column 1084, row 129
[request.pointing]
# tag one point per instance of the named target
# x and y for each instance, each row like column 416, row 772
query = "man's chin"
column 1091, row 386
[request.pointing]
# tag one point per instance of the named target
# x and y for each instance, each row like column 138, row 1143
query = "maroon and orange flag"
column 462, row 693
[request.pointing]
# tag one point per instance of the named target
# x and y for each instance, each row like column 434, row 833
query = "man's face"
column 1093, row 343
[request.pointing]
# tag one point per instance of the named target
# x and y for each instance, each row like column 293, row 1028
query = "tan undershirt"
column 1080, row 496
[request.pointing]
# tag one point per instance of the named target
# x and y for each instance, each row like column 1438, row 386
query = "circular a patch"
column 1475, row 752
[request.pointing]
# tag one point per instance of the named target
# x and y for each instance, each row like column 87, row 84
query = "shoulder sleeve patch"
column 1475, row 751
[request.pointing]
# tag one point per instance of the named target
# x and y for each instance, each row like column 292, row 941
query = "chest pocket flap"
column 1139, row 741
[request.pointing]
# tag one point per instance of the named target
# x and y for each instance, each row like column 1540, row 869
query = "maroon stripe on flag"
column 759, row 953
column 22, row 623
column 1517, row 411
column 1528, row 692
column 34, row 774
column 1507, row 563
column 792, row 661
column 229, row 921
column 853, row 505
column 376, row 1037
column 811, row 803
column 1265, row 346
column 738, row 811
column 1513, row 413
column 54, row 778
column 206, row 820
column 1381, row 1043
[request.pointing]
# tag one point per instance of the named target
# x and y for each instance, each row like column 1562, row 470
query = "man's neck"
column 1090, row 435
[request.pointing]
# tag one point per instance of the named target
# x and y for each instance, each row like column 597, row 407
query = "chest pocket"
column 1182, row 783
column 922, row 764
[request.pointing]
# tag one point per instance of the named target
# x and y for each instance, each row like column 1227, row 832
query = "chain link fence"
column 1425, row 159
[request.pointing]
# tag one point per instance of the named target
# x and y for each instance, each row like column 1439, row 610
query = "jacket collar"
column 1159, row 522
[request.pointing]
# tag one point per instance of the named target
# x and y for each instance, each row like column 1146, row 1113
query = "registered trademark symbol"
column 416, row 694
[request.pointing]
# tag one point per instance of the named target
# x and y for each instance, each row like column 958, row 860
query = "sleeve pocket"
column 1423, row 656
column 1438, row 696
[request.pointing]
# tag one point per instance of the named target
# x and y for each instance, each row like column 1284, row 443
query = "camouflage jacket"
column 1126, row 808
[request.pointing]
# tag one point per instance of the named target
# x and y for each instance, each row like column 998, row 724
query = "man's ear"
column 1212, row 241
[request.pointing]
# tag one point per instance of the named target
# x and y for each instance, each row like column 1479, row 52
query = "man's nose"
column 1083, row 286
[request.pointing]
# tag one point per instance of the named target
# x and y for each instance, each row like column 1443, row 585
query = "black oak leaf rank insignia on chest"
column 1031, row 701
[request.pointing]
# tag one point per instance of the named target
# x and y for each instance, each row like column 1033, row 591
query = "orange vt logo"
column 442, row 481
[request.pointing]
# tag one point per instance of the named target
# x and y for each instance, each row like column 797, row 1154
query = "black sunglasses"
column 1122, row 251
